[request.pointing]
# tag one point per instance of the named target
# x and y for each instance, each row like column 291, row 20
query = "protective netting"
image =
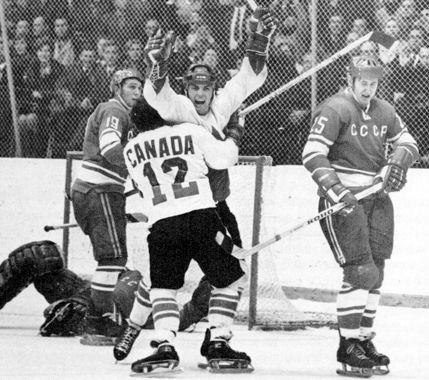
column 64, row 52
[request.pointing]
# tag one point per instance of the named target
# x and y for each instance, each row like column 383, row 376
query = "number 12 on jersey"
column 179, row 190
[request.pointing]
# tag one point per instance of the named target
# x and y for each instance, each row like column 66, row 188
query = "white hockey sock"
column 222, row 307
column 351, row 304
column 367, row 322
column 142, row 306
column 165, row 312
column 102, row 287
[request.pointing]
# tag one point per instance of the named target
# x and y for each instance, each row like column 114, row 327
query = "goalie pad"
column 25, row 264
column 198, row 307
column 60, row 285
column 124, row 293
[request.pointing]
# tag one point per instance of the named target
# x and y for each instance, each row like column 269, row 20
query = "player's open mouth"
column 200, row 102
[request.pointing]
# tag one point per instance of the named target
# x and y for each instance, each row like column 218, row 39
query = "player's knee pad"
column 124, row 293
column 362, row 276
column 61, row 284
column 26, row 263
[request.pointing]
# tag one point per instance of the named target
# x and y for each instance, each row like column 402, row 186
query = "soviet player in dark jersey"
column 98, row 197
column 345, row 153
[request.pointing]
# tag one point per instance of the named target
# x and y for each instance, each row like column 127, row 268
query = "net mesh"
column 86, row 41
column 272, row 309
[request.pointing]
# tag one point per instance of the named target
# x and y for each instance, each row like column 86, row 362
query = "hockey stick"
column 135, row 217
column 378, row 37
column 243, row 253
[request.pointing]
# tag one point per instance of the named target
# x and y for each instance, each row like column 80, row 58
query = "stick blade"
column 382, row 39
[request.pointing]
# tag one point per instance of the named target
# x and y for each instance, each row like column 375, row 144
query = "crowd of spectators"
column 64, row 52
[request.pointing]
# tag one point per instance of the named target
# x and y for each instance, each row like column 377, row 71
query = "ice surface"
column 307, row 354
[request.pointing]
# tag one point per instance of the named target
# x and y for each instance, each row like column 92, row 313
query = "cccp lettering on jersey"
column 159, row 148
column 364, row 130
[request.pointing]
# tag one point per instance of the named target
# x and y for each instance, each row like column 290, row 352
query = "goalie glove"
column 157, row 53
column 64, row 317
column 235, row 128
column 262, row 26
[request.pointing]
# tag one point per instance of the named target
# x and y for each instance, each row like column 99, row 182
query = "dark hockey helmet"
column 200, row 74
column 120, row 76
column 145, row 117
column 365, row 66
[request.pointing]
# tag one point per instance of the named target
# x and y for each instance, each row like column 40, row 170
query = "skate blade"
column 381, row 370
column 229, row 366
column 354, row 371
column 158, row 369
column 97, row 340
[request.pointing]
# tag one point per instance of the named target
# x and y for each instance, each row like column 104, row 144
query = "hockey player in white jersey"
column 169, row 165
column 202, row 104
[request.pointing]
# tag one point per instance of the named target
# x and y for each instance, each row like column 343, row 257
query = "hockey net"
column 263, row 304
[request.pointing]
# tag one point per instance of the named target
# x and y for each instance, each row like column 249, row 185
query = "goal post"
column 263, row 304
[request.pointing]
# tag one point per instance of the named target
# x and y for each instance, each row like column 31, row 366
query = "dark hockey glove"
column 157, row 52
column 334, row 191
column 235, row 128
column 262, row 26
column 64, row 317
column 394, row 174
column 393, row 177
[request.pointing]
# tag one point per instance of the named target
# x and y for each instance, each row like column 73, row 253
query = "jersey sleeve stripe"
column 396, row 137
column 105, row 172
column 109, row 147
column 314, row 148
column 107, row 138
column 320, row 138
column 110, row 130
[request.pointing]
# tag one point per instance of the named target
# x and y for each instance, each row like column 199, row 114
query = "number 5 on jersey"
column 319, row 124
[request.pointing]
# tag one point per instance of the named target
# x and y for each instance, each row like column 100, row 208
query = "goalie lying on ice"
column 40, row 263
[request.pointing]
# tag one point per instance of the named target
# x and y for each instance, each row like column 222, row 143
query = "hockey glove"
column 393, row 177
column 262, row 26
column 334, row 191
column 157, row 53
column 394, row 174
column 64, row 318
column 235, row 128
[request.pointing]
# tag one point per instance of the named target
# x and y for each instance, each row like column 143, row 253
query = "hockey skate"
column 381, row 361
column 125, row 342
column 221, row 358
column 163, row 362
column 353, row 359
column 100, row 331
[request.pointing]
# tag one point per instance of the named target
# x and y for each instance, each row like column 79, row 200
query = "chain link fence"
column 63, row 53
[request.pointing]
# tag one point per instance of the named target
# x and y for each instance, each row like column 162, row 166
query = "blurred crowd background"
column 64, row 52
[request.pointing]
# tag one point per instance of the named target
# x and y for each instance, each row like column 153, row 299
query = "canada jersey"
column 103, row 166
column 175, row 108
column 353, row 139
column 169, row 167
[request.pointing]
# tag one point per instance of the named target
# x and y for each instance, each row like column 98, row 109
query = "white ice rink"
column 402, row 333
